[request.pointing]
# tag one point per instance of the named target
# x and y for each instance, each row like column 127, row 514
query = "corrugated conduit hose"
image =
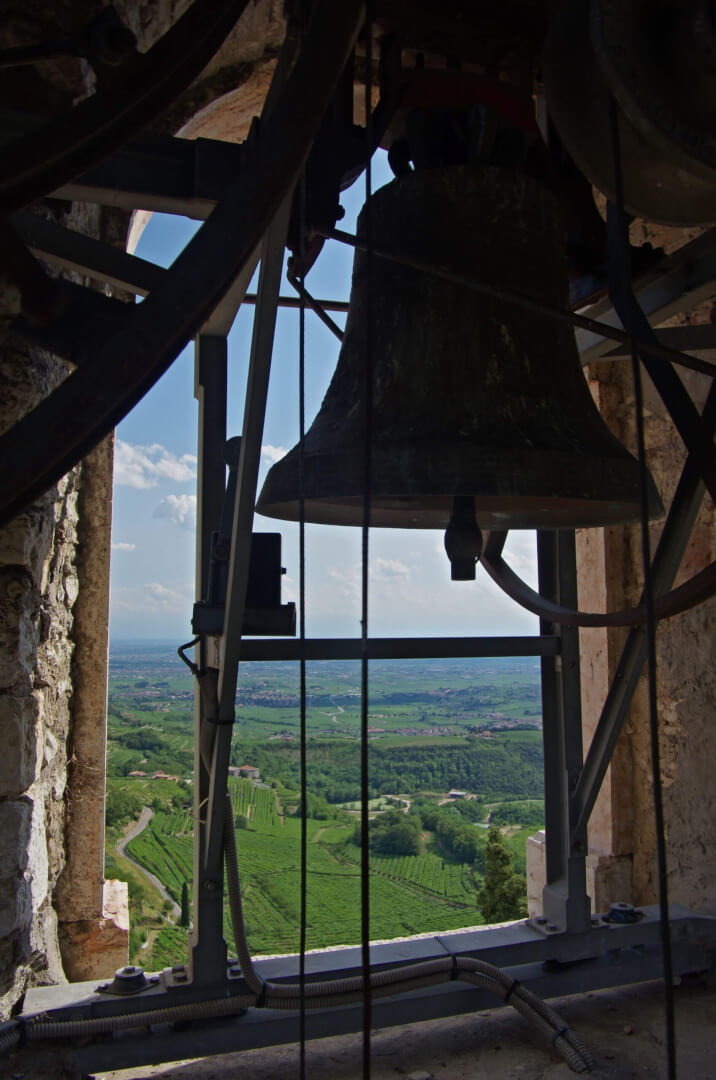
column 317, row 994
column 325, row 993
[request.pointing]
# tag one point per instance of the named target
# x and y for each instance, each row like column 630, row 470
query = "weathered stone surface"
column 15, row 829
column 45, row 961
column 94, row 949
column 79, row 888
column 54, row 558
column 622, row 834
column 15, row 905
column 609, row 879
column 23, row 743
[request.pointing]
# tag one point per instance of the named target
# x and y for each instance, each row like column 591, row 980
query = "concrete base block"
column 536, row 859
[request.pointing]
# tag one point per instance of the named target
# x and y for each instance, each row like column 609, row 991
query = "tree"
column 241, row 821
column 502, row 896
column 184, row 917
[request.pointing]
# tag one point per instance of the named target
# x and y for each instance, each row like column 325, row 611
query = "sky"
column 152, row 579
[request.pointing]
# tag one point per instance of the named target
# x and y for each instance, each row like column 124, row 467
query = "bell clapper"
column 463, row 539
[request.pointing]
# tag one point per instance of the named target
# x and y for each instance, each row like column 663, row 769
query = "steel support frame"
column 566, row 906
column 681, row 282
column 589, row 952
column 606, row 955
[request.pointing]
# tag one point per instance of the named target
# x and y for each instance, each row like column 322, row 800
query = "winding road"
column 135, row 829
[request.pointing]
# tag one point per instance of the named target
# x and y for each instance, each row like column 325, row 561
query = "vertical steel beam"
column 254, row 412
column 207, row 946
column 565, row 901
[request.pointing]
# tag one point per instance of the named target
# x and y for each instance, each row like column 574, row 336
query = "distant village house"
column 247, row 772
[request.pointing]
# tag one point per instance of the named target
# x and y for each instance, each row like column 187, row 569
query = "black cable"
column 193, row 668
column 650, row 625
column 315, row 305
column 302, row 628
column 367, row 478
column 527, row 303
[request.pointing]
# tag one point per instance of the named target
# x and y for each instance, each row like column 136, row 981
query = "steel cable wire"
column 619, row 263
column 365, row 551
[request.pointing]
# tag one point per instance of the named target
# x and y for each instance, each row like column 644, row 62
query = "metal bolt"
column 552, row 927
column 102, row 986
column 154, row 979
column 210, row 885
column 235, row 969
column 540, row 920
column 176, row 968
column 180, row 976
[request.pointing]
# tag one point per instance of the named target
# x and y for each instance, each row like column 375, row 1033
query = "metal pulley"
column 471, row 396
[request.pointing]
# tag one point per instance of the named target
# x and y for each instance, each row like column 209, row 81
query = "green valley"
column 454, row 746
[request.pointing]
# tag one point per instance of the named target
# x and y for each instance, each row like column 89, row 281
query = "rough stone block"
column 15, row 828
column 95, row 948
column 21, row 742
column 45, row 960
column 18, row 636
column 15, row 905
column 38, row 856
column 26, row 542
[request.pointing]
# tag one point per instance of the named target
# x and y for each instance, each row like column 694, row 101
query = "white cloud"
column 143, row 466
column 180, row 509
column 271, row 454
column 389, row 570
column 410, row 588
column 122, row 545
column 153, row 598
column 385, row 574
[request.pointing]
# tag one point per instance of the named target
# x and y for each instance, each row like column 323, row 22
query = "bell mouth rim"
column 433, row 511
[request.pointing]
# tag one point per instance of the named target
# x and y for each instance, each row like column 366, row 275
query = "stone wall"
column 622, row 836
column 38, row 589
column 54, row 568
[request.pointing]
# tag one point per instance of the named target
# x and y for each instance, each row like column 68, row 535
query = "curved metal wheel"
column 120, row 350
column 144, row 85
column 129, row 347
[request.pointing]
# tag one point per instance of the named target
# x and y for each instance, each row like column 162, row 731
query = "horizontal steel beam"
column 606, row 955
column 683, row 338
column 162, row 173
column 397, row 648
column 70, row 250
column 679, row 283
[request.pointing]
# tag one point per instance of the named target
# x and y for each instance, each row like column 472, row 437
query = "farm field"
column 409, row 894
column 435, row 726
column 149, row 686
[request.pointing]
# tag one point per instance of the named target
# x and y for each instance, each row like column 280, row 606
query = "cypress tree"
column 184, row 917
column 502, row 896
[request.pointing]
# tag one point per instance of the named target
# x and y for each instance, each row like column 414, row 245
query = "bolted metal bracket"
column 128, row 980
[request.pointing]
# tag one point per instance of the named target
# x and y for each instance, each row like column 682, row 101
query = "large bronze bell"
column 472, row 397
